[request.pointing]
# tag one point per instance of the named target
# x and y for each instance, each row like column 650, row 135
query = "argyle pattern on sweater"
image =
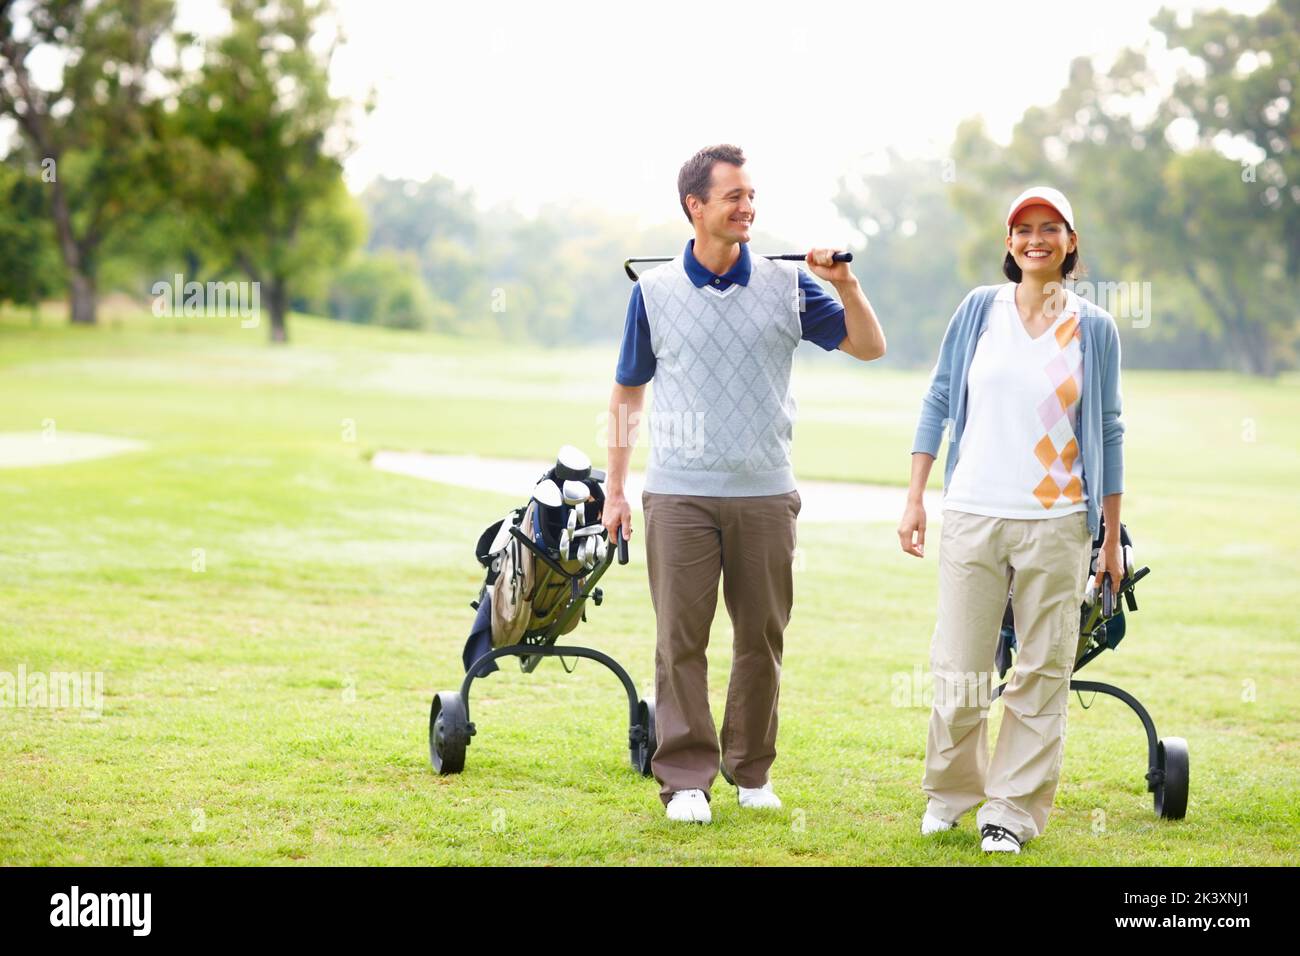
column 722, row 415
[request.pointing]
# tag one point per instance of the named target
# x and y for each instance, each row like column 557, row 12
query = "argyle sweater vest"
column 722, row 416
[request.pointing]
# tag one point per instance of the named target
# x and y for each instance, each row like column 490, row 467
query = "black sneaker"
column 998, row 839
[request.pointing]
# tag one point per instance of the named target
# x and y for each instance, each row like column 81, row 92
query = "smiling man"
column 715, row 329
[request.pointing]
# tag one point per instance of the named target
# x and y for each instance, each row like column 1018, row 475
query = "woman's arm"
column 911, row 530
column 1110, row 560
column 935, row 415
column 936, row 405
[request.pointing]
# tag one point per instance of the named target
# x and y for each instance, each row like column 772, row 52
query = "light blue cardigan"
column 1102, row 444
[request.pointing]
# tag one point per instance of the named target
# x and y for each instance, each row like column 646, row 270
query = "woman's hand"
column 1110, row 561
column 911, row 530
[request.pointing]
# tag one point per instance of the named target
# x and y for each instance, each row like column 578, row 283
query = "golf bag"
column 527, row 589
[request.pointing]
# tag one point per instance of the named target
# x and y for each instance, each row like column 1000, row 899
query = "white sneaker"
column 759, row 798
column 689, row 806
column 931, row 824
column 998, row 839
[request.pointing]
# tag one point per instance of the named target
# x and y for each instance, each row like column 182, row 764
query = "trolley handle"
column 538, row 552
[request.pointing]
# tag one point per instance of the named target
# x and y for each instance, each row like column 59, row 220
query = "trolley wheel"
column 449, row 732
column 1171, row 793
column 642, row 736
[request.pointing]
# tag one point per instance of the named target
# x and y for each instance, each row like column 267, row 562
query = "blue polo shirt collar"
column 700, row 276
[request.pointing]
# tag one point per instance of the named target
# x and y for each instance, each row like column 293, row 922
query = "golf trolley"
column 543, row 562
column 1102, row 626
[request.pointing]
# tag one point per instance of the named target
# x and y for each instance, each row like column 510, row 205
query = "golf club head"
column 575, row 492
column 572, row 464
column 548, row 493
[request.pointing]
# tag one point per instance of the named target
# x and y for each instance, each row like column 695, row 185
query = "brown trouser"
column 690, row 541
column 1047, row 560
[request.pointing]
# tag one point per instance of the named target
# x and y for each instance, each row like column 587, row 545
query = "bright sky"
column 601, row 103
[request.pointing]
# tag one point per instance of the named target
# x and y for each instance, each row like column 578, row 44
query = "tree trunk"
column 279, row 309
column 1258, row 348
column 81, row 298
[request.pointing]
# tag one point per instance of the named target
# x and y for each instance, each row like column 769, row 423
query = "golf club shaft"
column 787, row 256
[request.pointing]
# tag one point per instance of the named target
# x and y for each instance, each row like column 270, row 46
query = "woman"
column 1028, row 378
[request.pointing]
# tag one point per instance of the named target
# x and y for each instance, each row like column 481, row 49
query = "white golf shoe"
column 759, row 798
column 931, row 824
column 689, row 806
column 998, row 839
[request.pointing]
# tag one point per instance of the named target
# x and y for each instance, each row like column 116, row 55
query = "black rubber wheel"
column 642, row 737
column 1171, row 794
column 448, row 732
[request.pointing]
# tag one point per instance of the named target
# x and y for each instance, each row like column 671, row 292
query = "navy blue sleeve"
column 636, row 360
column 820, row 315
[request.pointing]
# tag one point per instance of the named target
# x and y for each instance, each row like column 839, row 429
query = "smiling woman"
column 1042, row 237
column 1028, row 381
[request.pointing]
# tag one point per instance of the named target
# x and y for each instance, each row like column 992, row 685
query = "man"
column 715, row 329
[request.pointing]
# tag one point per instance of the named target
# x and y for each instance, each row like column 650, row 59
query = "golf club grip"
column 1107, row 597
column 622, row 547
column 795, row 257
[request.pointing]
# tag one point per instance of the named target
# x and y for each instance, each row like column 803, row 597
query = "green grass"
column 272, row 708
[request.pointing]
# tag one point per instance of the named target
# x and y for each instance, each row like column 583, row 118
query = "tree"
column 260, row 107
column 29, row 259
column 1251, row 76
column 408, row 215
column 94, row 130
column 1156, row 207
column 912, row 239
column 382, row 288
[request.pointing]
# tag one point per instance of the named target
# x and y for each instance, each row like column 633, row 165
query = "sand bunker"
column 30, row 449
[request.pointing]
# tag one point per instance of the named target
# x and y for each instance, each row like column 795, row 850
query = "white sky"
column 602, row 102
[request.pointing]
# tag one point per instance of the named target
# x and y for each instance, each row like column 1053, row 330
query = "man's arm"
column 625, row 403
column 864, row 338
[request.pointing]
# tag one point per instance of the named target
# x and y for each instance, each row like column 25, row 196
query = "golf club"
column 571, row 464
column 787, row 256
column 548, row 493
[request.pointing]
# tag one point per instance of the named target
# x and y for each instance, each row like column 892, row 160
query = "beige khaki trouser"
column 690, row 541
column 979, row 557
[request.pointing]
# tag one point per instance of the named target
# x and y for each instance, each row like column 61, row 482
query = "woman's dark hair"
column 1068, row 267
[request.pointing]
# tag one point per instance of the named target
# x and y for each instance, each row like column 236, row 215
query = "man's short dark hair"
column 696, row 176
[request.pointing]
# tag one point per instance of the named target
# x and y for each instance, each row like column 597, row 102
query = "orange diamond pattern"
column 1050, row 490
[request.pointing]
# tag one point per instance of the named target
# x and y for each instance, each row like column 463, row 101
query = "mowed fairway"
column 271, row 708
